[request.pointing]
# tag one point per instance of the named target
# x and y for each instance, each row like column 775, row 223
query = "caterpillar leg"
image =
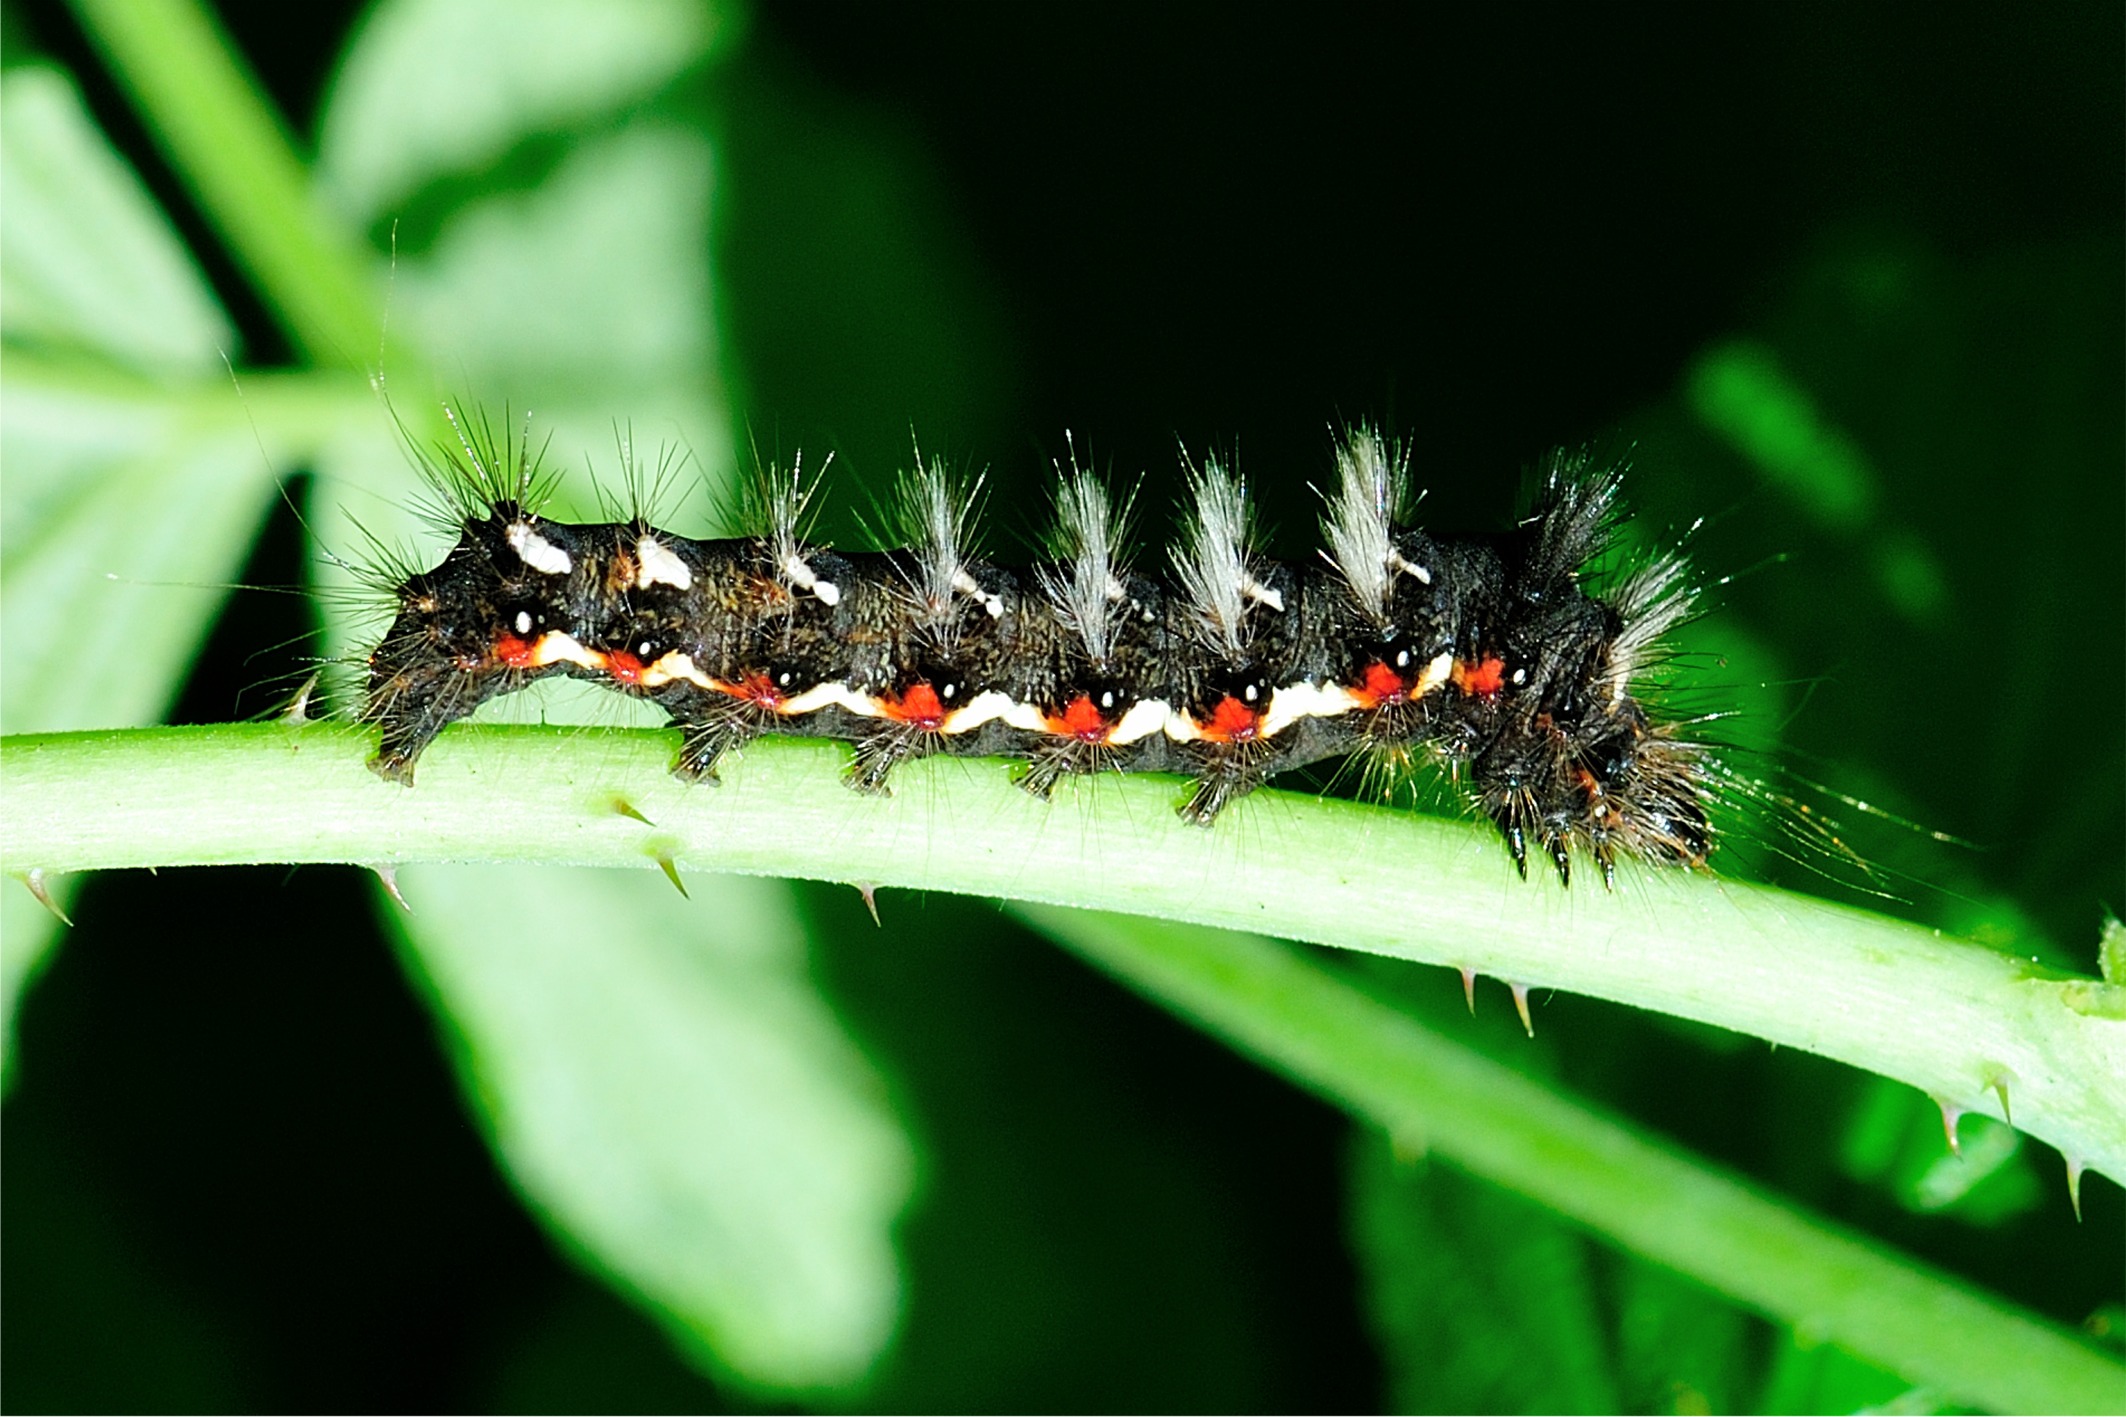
column 1561, row 857
column 704, row 743
column 1552, row 834
column 1045, row 769
column 411, row 708
column 1051, row 762
column 1222, row 776
column 882, row 750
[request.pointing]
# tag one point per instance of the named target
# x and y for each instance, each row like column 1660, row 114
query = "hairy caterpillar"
column 1227, row 666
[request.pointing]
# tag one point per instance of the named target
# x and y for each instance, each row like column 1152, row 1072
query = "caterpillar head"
column 493, row 616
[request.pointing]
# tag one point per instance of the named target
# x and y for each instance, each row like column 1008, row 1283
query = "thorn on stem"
column 1520, row 1006
column 2074, row 1186
column 1951, row 1114
column 40, row 885
column 1469, row 989
column 388, row 878
column 298, row 709
column 626, row 808
column 2000, row 1090
column 869, row 891
column 671, row 873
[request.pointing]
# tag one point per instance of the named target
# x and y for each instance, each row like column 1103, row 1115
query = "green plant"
column 777, row 1285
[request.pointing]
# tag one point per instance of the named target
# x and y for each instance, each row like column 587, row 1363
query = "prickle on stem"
column 388, row 877
column 298, row 709
column 1520, row 1006
column 40, row 886
column 1951, row 1114
column 1998, row 1081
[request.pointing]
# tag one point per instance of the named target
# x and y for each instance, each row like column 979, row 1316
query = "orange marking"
column 919, row 706
column 1380, row 685
column 1480, row 678
column 623, row 666
column 1231, row 722
column 515, row 651
column 756, row 688
column 1081, row 720
column 1587, row 782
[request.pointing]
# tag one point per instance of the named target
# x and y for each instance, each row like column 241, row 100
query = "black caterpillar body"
column 1225, row 665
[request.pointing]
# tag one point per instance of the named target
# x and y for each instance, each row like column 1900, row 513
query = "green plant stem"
column 1962, row 1023
column 1271, row 1002
column 229, row 147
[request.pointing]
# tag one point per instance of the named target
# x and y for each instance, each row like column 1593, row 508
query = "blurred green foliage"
column 1846, row 283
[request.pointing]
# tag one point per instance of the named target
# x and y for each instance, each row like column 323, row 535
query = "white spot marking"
column 1520, row 676
column 1304, row 700
column 657, row 564
column 1027, row 717
column 1399, row 564
column 524, row 622
column 676, row 665
column 555, row 647
column 805, row 578
column 987, row 705
column 1145, row 717
column 831, row 695
column 1261, row 594
column 971, row 588
column 536, row 551
column 1436, row 673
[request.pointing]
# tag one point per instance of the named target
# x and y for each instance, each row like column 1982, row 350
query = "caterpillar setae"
column 1487, row 653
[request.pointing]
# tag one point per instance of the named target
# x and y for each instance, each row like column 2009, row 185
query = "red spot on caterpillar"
column 756, row 688
column 1081, row 720
column 1480, row 678
column 1380, row 685
column 623, row 666
column 515, row 651
column 917, row 705
column 1232, row 722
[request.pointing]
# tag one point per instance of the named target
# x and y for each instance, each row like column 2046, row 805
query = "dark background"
column 237, row 1173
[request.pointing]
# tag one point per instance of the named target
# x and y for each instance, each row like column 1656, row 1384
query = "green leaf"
column 1680, row 1347
column 757, row 1225
column 431, row 88
column 587, row 294
column 1811, row 1376
column 756, row 1218
column 133, row 489
column 91, row 263
column 1464, row 1283
column 677, row 1102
